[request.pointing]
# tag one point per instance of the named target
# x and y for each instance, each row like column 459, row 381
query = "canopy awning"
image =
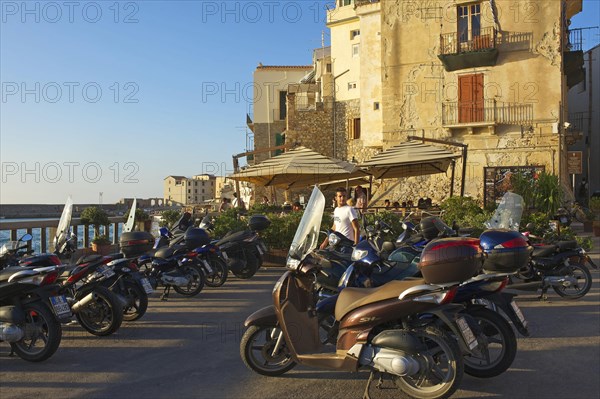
column 412, row 158
column 299, row 167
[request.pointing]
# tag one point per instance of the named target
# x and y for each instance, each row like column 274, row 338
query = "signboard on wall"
column 497, row 180
column 575, row 162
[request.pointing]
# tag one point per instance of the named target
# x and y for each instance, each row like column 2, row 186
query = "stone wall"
column 310, row 128
column 261, row 138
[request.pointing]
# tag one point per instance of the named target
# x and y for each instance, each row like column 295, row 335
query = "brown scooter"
column 392, row 330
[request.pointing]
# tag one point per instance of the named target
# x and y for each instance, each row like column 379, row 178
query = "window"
column 328, row 68
column 351, row 85
column 355, row 50
column 189, row 191
column 345, row 3
column 354, row 33
column 375, row 106
column 469, row 22
column 196, row 191
column 353, row 128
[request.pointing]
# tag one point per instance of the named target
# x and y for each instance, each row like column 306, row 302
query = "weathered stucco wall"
column 527, row 75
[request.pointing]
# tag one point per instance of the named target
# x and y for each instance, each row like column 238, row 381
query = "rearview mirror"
column 26, row 237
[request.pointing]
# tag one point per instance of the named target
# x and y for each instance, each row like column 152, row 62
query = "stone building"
column 181, row 190
column 491, row 75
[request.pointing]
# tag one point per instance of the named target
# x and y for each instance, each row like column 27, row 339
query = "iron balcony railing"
column 452, row 43
column 487, row 111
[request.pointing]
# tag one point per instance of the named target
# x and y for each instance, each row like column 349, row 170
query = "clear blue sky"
column 112, row 97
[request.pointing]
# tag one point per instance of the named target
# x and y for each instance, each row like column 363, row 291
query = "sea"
column 36, row 232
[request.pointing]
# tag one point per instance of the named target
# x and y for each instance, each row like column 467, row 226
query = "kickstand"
column 165, row 295
column 544, row 295
column 371, row 378
column 12, row 352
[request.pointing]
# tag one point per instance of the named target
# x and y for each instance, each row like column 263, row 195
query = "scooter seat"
column 353, row 298
column 566, row 245
column 543, row 250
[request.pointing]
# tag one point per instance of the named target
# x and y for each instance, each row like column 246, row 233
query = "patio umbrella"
column 299, row 167
column 412, row 158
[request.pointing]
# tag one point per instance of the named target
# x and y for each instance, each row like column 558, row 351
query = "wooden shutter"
column 470, row 98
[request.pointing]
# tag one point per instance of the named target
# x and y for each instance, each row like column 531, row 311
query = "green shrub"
column 169, row 217
column 96, row 217
column 227, row 221
column 466, row 213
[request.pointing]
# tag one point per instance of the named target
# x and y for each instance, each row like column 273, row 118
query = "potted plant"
column 142, row 220
column 101, row 244
column 96, row 217
column 595, row 208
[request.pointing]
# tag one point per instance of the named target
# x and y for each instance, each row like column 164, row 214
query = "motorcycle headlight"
column 292, row 263
column 333, row 239
column 358, row 254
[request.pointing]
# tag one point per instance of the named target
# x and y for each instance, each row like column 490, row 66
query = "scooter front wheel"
column 263, row 350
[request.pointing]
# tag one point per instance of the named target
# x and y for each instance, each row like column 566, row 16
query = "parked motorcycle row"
column 39, row 293
column 421, row 311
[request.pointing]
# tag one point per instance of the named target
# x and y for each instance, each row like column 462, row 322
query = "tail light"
column 49, row 278
column 514, row 243
column 192, row 254
column 439, row 298
column 76, row 276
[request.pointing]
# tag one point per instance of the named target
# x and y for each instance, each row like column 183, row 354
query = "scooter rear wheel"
column 576, row 291
column 501, row 347
column 196, row 281
column 43, row 334
column 257, row 350
column 442, row 367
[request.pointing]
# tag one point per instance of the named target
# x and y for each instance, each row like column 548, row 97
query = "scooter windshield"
column 128, row 227
column 508, row 214
column 307, row 234
column 64, row 225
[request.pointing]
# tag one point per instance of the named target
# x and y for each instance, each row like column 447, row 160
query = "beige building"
column 491, row 75
column 180, row 190
column 268, row 119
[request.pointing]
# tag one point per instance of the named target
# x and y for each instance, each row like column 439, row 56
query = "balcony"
column 573, row 57
column 480, row 50
column 486, row 113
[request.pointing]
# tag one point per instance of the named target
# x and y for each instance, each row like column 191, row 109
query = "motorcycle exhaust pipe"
column 558, row 281
column 10, row 333
column 77, row 306
column 533, row 286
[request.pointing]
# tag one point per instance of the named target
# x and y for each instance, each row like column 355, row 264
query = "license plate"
column 106, row 271
column 225, row 255
column 519, row 314
column 147, row 287
column 260, row 250
column 207, row 266
column 466, row 332
column 61, row 306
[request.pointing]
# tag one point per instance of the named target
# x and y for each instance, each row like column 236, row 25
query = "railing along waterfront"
column 47, row 230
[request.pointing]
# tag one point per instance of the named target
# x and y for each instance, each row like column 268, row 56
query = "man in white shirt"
column 345, row 219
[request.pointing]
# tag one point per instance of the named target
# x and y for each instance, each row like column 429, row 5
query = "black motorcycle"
column 244, row 250
column 29, row 312
column 561, row 265
column 175, row 266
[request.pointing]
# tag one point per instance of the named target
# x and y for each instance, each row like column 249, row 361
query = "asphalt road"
column 189, row 348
